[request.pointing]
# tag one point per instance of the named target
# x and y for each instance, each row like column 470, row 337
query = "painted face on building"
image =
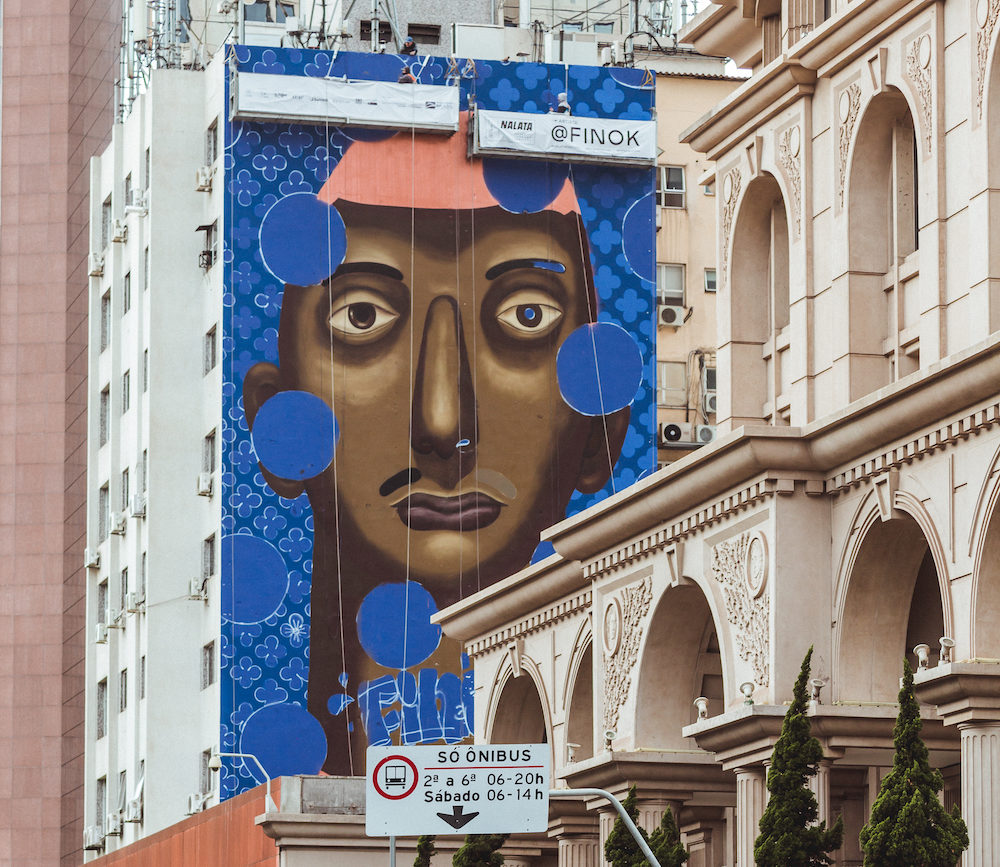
column 435, row 342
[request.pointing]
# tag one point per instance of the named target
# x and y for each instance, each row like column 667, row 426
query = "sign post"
column 468, row 789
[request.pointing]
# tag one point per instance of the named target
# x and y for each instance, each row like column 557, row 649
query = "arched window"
column 883, row 240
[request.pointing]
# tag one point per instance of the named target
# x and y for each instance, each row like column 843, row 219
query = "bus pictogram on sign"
column 395, row 777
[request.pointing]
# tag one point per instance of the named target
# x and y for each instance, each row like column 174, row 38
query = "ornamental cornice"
column 547, row 616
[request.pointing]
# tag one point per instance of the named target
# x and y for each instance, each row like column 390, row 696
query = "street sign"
column 489, row 789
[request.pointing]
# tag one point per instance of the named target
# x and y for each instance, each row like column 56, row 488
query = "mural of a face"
column 439, row 358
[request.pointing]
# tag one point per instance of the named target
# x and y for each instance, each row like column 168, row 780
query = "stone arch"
column 882, row 229
column 984, row 638
column 894, row 597
column 580, row 703
column 681, row 661
column 519, row 711
column 760, row 255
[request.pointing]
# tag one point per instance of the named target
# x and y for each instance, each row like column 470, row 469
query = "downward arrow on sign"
column 458, row 817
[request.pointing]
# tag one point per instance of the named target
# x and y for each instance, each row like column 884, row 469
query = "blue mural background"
column 266, row 611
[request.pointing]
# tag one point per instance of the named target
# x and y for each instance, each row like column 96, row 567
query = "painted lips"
column 462, row 513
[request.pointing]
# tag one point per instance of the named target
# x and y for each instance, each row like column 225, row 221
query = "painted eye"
column 361, row 316
column 529, row 313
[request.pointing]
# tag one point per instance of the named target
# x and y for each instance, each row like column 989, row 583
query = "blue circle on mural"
column 294, row 434
column 599, row 367
column 639, row 236
column 302, row 240
column 286, row 739
column 523, row 186
column 394, row 625
column 257, row 576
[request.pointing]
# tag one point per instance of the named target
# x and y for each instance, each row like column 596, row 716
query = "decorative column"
column 578, row 851
column 651, row 812
column 819, row 783
column 607, row 822
column 516, row 861
column 981, row 792
column 751, row 792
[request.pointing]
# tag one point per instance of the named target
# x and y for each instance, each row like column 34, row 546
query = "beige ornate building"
column 851, row 502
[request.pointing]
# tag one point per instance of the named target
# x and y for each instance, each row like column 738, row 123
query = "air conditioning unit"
column 197, row 589
column 117, row 620
column 203, row 179
column 134, row 602
column 704, row 433
column 133, row 811
column 101, row 633
column 93, row 837
column 118, row 523
column 609, row 54
column 710, row 401
column 674, row 432
column 113, row 825
column 197, row 801
column 668, row 314
column 187, row 56
column 292, row 25
column 96, row 264
column 204, row 484
column 136, row 203
column 138, row 506
column 91, row 558
column 119, row 232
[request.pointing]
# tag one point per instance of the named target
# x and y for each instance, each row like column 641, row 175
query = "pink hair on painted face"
column 421, row 170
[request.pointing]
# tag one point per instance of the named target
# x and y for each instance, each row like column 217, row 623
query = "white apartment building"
column 154, row 397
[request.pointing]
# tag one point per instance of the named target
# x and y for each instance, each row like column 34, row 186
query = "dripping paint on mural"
column 428, row 360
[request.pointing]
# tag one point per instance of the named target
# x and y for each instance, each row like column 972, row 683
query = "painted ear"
column 262, row 382
column 604, row 442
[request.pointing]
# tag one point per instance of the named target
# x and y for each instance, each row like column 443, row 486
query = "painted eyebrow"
column 537, row 264
column 369, row 268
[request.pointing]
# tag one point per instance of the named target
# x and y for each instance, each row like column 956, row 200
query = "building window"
column 208, row 556
column 104, row 415
column 128, row 189
column 424, row 34
column 209, row 351
column 710, row 283
column 147, row 167
column 144, row 470
column 145, row 269
column 101, row 804
column 604, row 27
column 206, row 259
column 123, row 690
column 384, row 30
column 142, row 574
column 103, row 512
column 122, row 791
column 126, row 391
column 102, row 602
column 670, row 187
column 670, row 285
column 106, row 222
column 123, row 589
column 125, row 486
column 126, row 293
column 102, row 708
column 709, row 189
column 208, row 454
column 208, row 665
column 672, row 385
column 142, row 677
column 572, row 26
column 145, row 371
column 105, row 320
column 205, row 772
column 212, row 143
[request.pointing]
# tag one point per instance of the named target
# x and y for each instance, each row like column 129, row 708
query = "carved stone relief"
column 731, row 195
column 918, row 70
column 789, row 147
column 748, row 609
column 987, row 14
column 626, row 612
column 847, row 115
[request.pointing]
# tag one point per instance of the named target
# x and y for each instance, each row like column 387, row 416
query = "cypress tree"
column 620, row 849
column 908, row 826
column 666, row 844
column 480, row 850
column 789, row 835
column 425, row 850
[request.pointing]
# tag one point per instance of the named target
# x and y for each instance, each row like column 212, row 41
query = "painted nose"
column 444, row 401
